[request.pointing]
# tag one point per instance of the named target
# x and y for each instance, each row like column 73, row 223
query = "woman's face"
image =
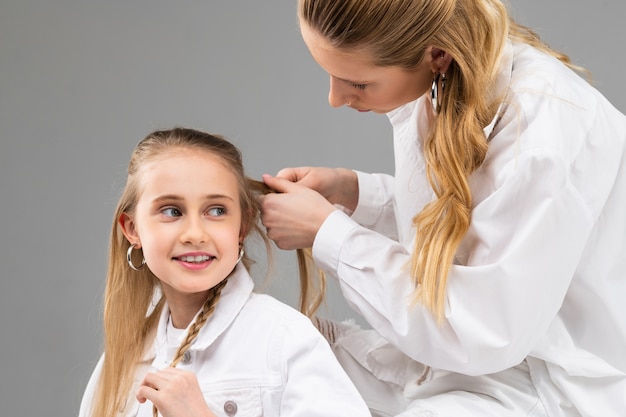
column 356, row 82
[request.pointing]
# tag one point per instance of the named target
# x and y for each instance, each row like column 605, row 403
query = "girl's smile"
column 195, row 261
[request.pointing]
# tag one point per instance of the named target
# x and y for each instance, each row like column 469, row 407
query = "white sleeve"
column 316, row 384
column 90, row 391
column 531, row 233
column 375, row 208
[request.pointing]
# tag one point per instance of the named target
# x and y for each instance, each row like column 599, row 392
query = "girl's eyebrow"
column 174, row 197
column 166, row 198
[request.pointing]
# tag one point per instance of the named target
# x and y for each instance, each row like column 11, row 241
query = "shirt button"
column 230, row 407
column 186, row 358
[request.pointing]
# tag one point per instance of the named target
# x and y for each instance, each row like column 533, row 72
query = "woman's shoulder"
column 539, row 74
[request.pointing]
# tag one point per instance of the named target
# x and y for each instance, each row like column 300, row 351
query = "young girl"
column 492, row 263
column 184, row 332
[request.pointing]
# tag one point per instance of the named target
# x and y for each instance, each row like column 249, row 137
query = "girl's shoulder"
column 265, row 306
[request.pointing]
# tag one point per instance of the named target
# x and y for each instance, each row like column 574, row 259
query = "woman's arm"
column 306, row 196
column 524, row 244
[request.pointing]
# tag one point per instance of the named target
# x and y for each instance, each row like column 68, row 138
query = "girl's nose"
column 195, row 232
column 338, row 94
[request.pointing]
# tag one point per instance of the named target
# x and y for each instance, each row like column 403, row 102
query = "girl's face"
column 187, row 221
column 356, row 82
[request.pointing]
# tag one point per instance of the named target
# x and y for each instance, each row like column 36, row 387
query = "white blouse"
column 541, row 273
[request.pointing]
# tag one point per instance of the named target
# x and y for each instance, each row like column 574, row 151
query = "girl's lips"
column 195, row 265
column 195, row 261
column 195, row 258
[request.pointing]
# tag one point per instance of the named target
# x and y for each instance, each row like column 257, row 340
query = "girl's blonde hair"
column 128, row 328
column 474, row 34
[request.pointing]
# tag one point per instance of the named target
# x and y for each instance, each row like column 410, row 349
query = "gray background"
column 82, row 81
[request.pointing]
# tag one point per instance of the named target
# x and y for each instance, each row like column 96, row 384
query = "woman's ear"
column 127, row 224
column 440, row 60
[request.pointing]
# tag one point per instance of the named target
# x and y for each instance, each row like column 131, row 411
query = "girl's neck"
column 183, row 307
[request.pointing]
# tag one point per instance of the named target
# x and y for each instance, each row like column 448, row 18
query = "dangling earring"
column 240, row 255
column 130, row 259
column 434, row 91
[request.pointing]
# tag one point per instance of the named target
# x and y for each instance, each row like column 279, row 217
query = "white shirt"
column 541, row 273
column 254, row 357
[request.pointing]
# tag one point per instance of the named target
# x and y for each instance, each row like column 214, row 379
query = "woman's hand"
column 337, row 185
column 175, row 393
column 294, row 214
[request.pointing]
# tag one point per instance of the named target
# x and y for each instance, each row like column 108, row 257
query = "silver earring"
column 130, row 259
column 240, row 255
column 434, row 91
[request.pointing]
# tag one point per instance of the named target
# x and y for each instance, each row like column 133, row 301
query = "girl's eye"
column 171, row 212
column 216, row 211
column 359, row 86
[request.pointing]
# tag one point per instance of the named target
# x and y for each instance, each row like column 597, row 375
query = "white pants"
column 392, row 384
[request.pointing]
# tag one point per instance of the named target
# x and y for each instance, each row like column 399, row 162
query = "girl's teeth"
column 200, row 258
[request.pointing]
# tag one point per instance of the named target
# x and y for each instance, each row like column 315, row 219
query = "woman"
column 491, row 267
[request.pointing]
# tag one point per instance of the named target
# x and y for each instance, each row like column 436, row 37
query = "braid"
column 207, row 309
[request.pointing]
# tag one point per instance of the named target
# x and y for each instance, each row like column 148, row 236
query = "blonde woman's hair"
column 128, row 328
column 397, row 33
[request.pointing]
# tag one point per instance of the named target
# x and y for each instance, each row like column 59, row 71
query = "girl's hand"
column 337, row 185
column 294, row 214
column 175, row 393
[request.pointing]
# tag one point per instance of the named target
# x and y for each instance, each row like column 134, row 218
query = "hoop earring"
column 241, row 252
column 129, row 258
column 434, row 91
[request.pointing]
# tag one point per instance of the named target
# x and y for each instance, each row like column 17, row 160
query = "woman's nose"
column 338, row 94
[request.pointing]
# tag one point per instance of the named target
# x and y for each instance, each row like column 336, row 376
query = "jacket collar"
column 234, row 296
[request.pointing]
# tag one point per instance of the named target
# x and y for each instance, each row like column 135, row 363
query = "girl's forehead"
column 187, row 171
column 182, row 157
column 182, row 152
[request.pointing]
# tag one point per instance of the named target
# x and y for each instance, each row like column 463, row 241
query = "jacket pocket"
column 240, row 402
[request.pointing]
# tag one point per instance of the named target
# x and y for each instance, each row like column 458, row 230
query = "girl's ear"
column 127, row 224
column 245, row 226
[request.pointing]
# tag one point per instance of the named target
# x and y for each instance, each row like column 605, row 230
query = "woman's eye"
column 171, row 212
column 359, row 86
column 216, row 211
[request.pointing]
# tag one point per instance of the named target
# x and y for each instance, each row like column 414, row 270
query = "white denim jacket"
column 254, row 357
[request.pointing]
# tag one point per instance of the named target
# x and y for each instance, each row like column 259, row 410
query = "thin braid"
column 207, row 309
